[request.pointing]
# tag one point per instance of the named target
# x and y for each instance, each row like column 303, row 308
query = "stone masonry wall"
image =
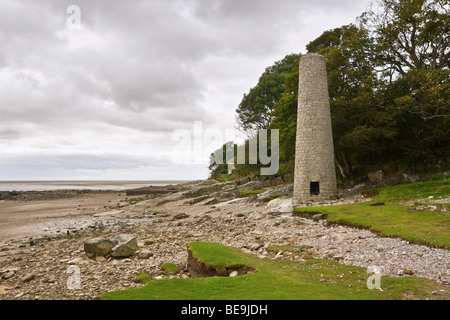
column 314, row 157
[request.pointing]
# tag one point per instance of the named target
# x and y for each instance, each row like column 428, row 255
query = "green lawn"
column 275, row 280
column 399, row 217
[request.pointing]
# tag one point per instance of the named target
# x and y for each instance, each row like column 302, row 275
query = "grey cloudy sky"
column 103, row 101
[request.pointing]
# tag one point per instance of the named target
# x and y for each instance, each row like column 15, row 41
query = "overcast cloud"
column 102, row 102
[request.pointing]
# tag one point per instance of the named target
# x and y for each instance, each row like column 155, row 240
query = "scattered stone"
column 98, row 247
column 76, row 261
column 281, row 205
column 256, row 246
column 8, row 275
column 166, row 241
column 234, row 274
column 145, row 254
column 317, row 217
column 126, row 246
column 28, row 277
column 180, row 216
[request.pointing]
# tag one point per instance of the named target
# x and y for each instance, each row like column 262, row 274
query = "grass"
column 143, row 278
column 438, row 187
column 398, row 217
column 276, row 280
column 250, row 193
column 170, row 267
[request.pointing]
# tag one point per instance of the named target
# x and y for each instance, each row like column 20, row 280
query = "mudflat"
column 34, row 218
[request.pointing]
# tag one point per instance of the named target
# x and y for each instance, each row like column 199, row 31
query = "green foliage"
column 276, row 280
column 254, row 111
column 220, row 158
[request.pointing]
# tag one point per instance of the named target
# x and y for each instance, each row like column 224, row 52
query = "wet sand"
column 36, row 218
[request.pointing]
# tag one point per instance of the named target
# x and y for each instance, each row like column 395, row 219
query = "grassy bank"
column 275, row 280
column 408, row 213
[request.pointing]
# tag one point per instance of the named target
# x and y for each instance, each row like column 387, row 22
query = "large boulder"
column 98, row 247
column 126, row 246
column 280, row 205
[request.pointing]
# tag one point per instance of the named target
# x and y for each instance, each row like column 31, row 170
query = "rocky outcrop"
column 252, row 185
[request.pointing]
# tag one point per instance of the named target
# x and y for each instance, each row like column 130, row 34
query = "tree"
column 255, row 110
column 352, row 82
column 409, row 34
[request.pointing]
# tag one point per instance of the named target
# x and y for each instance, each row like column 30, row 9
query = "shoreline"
column 164, row 222
column 67, row 185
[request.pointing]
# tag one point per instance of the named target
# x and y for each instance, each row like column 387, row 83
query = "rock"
column 76, row 261
column 377, row 204
column 281, row 191
column 211, row 201
column 243, row 181
column 108, row 213
column 100, row 259
column 410, row 178
column 126, row 246
column 252, row 185
column 408, row 272
column 98, row 247
column 317, row 217
column 8, row 275
column 234, row 274
column 282, row 205
column 256, row 246
column 28, row 277
column 355, row 190
column 277, row 181
column 376, row 176
column 180, row 216
column 145, row 254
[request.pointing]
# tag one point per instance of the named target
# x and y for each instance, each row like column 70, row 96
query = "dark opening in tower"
column 314, row 188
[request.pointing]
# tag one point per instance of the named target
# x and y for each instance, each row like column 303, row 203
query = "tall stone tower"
column 315, row 176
